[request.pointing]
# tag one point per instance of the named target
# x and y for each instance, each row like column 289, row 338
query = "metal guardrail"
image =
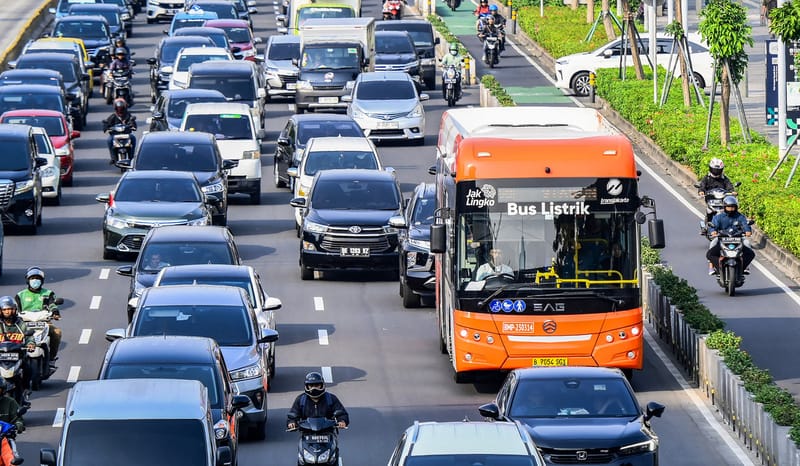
column 754, row 427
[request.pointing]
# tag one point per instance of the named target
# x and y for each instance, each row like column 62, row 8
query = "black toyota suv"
column 394, row 51
column 350, row 221
column 20, row 181
column 193, row 152
column 421, row 33
column 416, row 261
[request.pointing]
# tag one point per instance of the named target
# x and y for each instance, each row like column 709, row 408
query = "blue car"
column 192, row 18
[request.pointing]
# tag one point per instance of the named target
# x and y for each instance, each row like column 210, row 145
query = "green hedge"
column 441, row 26
column 497, row 91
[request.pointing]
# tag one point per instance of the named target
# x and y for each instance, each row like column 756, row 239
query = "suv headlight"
column 417, row 112
column 356, row 112
column 389, row 230
column 641, row 447
column 49, row 172
column 251, row 154
column 312, row 227
column 304, row 86
column 23, row 187
column 198, row 222
column 420, row 244
column 217, row 187
column 350, row 85
column 221, row 429
column 249, row 372
column 115, row 222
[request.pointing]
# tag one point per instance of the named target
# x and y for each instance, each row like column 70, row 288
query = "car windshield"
column 169, row 52
column 185, row 61
column 111, row 16
column 241, row 282
column 393, row 44
column 572, row 397
column 176, row 156
column 63, row 5
column 82, row 30
column 53, row 125
column 187, row 23
column 236, row 34
column 222, row 126
column 385, row 90
column 205, row 374
column 170, row 442
column 284, row 51
column 67, row 69
column 122, row 3
column 308, row 130
column 334, row 159
column 42, row 146
column 329, row 58
column 459, row 459
column 44, row 80
column 323, row 12
column 157, row 190
column 156, row 256
column 236, row 89
column 423, row 211
column 15, row 156
column 23, row 101
column 177, row 105
column 355, row 195
column 420, row 35
column 223, row 10
column 228, row 325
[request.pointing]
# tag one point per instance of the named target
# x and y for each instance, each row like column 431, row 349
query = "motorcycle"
column 8, row 431
column 731, row 265
column 118, row 85
column 714, row 206
column 39, row 359
column 490, row 49
column 453, row 4
column 319, row 441
column 392, row 9
column 451, row 77
column 122, row 147
column 12, row 360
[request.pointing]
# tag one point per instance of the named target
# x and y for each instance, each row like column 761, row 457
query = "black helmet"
column 314, row 384
column 8, row 302
column 731, row 201
column 120, row 51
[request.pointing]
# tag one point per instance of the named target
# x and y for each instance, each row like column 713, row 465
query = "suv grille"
column 6, row 192
column 288, row 78
column 387, row 116
column 158, row 223
column 601, row 456
column 392, row 67
column 370, row 237
column 328, row 87
column 133, row 242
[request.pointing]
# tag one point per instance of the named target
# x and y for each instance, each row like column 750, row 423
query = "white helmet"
column 715, row 167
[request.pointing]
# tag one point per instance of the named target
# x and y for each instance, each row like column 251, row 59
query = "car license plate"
column 388, row 125
column 9, row 356
column 355, row 252
column 518, row 327
column 172, row 11
column 290, row 86
column 36, row 325
column 549, row 362
column 329, row 100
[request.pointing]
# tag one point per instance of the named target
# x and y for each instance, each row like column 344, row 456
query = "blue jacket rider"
column 731, row 219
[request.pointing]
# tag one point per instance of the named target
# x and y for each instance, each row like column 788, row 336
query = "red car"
column 61, row 135
column 239, row 35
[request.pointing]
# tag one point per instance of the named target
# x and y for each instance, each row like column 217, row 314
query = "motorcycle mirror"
column 17, row 460
column 751, row 222
column 59, row 301
column 22, row 410
column 737, row 184
column 697, row 185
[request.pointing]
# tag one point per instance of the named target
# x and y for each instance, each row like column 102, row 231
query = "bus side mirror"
column 655, row 233
column 438, row 237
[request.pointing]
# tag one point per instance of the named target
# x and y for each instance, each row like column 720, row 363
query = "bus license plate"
column 518, row 327
column 549, row 362
column 355, row 252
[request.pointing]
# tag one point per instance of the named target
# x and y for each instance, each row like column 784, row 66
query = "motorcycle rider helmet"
column 490, row 20
column 121, row 53
column 730, row 201
column 314, row 385
column 120, row 106
column 453, row 49
column 8, row 302
column 716, row 167
column 493, row 9
column 34, row 277
column 484, row 2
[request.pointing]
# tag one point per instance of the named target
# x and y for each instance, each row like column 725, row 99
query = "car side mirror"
column 298, row 202
column 125, row 270
column 438, row 238
column 292, row 172
column 229, row 164
column 268, row 336
column 436, row 41
column 103, row 198
column 490, row 410
column 653, row 409
column 424, row 97
column 115, row 334
column 239, row 402
column 40, row 162
column 347, row 98
column 252, row 10
column 52, row 11
column 47, row 456
column 257, row 40
column 224, row 455
column 398, row 222
column 608, row 53
column 235, row 49
column 151, row 61
column 165, row 31
column 295, row 62
column 74, row 134
column 158, row 115
column 272, row 304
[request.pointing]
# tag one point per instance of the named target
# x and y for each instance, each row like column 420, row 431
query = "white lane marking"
column 58, row 420
column 322, row 334
column 86, row 335
column 104, row 274
column 327, row 374
column 699, row 404
column 95, row 304
column 319, row 303
column 74, row 373
column 291, row 107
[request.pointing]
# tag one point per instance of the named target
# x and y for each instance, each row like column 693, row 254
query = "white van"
column 110, row 421
column 238, row 138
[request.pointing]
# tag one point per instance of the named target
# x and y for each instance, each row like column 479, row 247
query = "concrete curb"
column 685, row 178
column 32, row 28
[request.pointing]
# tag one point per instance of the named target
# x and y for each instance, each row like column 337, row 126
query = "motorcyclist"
column 487, row 30
column 715, row 179
column 120, row 61
column 500, row 24
column 9, row 406
column 453, row 58
column 120, row 43
column 316, row 402
column 35, row 298
column 13, row 328
column 482, row 9
column 123, row 116
column 730, row 219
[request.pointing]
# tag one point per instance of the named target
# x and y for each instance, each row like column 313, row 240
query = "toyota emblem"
column 581, row 455
column 328, row 77
column 549, row 326
column 354, row 229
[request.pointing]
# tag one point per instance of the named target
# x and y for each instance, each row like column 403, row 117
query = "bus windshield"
column 554, row 236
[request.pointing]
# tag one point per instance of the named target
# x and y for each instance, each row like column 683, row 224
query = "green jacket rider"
column 33, row 298
column 9, row 406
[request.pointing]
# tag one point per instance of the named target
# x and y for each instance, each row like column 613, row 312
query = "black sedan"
column 579, row 415
column 146, row 199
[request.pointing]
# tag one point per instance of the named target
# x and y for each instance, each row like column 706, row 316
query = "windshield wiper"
column 482, row 303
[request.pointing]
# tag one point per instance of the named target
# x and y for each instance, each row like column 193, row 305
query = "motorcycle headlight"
column 420, row 244
column 114, row 222
column 641, row 447
column 221, row 429
column 312, row 227
column 450, row 73
column 323, row 457
column 249, row 372
column 63, row 150
column 23, row 187
column 214, row 188
column 309, row 457
column 417, row 112
column 49, row 172
column 198, row 222
column 304, row 86
column 251, row 154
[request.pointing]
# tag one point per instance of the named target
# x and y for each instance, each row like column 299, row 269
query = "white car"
column 50, row 173
column 331, row 153
column 572, row 71
column 163, row 10
column 386, row 105
column 191, row 55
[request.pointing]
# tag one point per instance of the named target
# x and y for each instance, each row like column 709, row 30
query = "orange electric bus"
column 537, row 241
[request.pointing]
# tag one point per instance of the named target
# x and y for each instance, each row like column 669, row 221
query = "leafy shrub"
column 441, row 26
column 497, row 90
column 561, row 31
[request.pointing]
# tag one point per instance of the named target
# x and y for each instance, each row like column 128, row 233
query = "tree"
column 785, row 21
column 678, row 33
column 630, row 31
column 724, row 27
column 609, row 27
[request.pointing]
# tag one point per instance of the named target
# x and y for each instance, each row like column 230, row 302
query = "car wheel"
column 150, row 21
column 39, row 216
column 306, row 273
column 279, row 183
column 701, row 83
column 430, row 84
column 410, row 299
column 255, row 197
column 580, row 83
column 299, row 110
column 259, row 431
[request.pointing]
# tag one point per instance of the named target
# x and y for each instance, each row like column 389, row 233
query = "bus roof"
column 528, row 122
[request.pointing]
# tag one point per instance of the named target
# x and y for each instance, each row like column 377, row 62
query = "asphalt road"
column 383, row 359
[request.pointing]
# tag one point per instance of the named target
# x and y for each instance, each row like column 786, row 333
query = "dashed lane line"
column 327, row 374
column 322, row 334
column 74, row 373
column 319, row 303
column 86, row 335
column 95, row 304
column 104, row 272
